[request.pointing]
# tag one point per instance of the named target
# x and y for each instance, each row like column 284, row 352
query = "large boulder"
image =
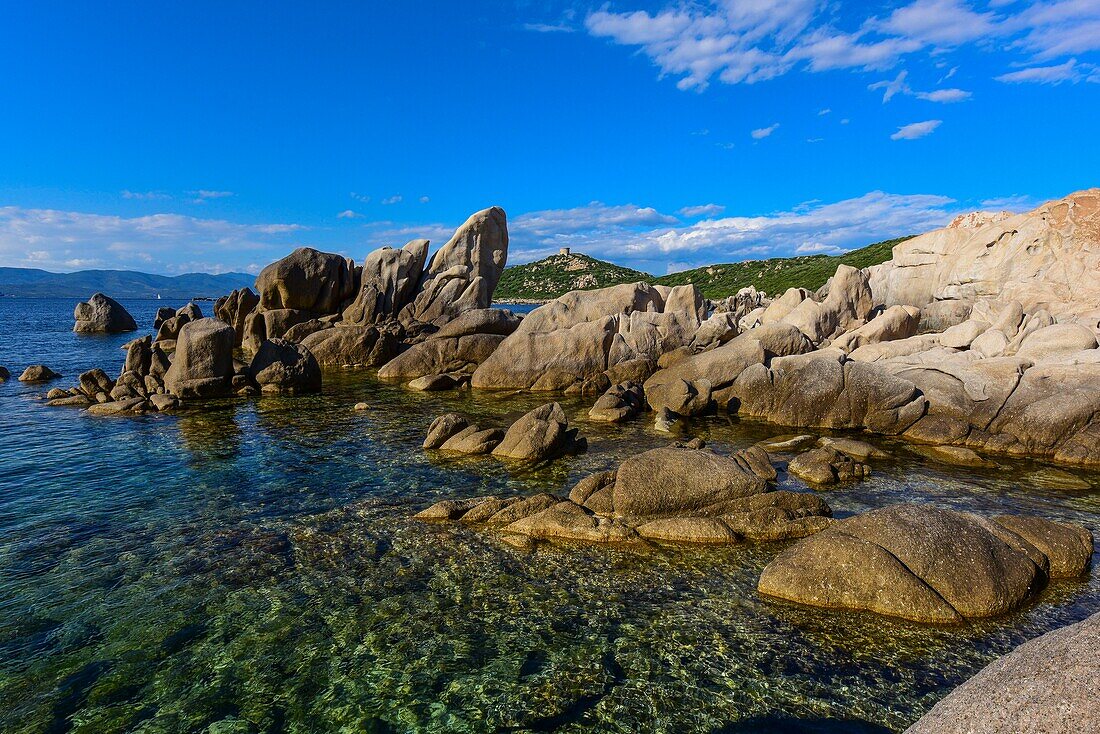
column 359, row 346
column 584, row 334
column 100, row 314
column 38, row 373
column 306, row 280
column 541, row 434
column 1045, row 685
column 203, row 363
column 915, row 562
column 388, row 282
column 820, row 392
column 619, row 403
column 672, row 481
column 1046, row 258
column 896, row 322
column 281, row 367
column 441, row 354
column 462, row 274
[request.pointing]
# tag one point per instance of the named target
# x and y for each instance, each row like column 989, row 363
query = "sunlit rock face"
column 1046, row 258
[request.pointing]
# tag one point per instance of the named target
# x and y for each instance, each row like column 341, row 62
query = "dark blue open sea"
column 250, row 567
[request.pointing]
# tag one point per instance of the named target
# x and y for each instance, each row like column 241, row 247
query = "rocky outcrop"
column 1045, row 685
column 1047, row 258
column 38, row 373
column 679, row 495
column 281, row 367
column 923, row 564
column 388, row 283
column 234, row 310
column 464, row 272
column 138, row 389
column 4, row 374
column 896, row 322
column 846, row 307
column 584, row 334
column 203, row 362
column 169, row 328
column 306, row 280
column 698, row 383
column 100, row 314
column 541, row 434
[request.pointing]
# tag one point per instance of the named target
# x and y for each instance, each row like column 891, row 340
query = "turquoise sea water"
column 250, row 567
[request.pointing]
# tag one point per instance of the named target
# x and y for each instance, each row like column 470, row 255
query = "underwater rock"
column 922, row 563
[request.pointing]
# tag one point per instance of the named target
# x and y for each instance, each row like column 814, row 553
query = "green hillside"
column 558, row 274
column 778, row 274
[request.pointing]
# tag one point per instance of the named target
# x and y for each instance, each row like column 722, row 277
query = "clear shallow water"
column 250, row 567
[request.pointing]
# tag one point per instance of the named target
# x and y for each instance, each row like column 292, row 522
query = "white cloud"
column 746, row 41
column 817, row 248
column 763, row 132
column 704, row 210
column 897, row 86
column 395, row 199
column 349, row 214
column 144, row 195
column 704, row 131
column 944, row 95
column 938, row 23
column 1015, row 203
column 915, row 130
column 548, row 28
column 726, row 146
column 360, row 197
column 1044, row 74
column 424, row 199
column 204, row 195
column 653, row 241
column 824, row 112
column 814, row 140
column 64, row 240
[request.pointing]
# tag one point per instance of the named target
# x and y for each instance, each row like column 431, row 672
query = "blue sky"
column 217, row 136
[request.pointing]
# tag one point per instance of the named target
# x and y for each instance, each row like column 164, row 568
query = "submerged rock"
column 1045, row 685
column 100, row 314
column 923, row 564
column 825, row 465
column 678, row 495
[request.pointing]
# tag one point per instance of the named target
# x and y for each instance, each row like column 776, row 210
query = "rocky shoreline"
column 976, row 341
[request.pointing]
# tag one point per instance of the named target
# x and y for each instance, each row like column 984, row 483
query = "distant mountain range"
column 33, row 283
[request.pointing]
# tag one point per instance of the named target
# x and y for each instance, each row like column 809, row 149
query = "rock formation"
column 38, row 373
column 100, row 314
column 203, row 363
column 464, row 272
column 588, row 335
column 1046, row 259
column 927, row 564
column 682, row 495
column 284, row 368
column 1047, row 684
column 541, row 434
column 459, row 347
